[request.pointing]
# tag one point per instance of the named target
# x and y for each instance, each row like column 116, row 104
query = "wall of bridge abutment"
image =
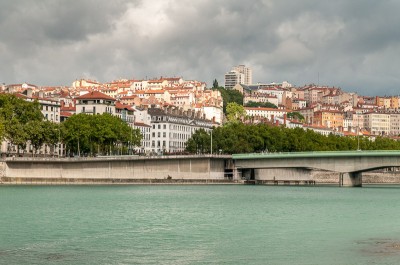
column 297, row 175
column 199, row 169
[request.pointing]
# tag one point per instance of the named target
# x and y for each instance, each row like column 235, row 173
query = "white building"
column 247, row 72
column 238, row 75
column 95, row 102
column 171, row 128
column 268, row 113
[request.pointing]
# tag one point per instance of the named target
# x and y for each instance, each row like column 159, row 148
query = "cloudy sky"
column 353, row 44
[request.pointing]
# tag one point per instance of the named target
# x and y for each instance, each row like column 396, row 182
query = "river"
column 218, row 224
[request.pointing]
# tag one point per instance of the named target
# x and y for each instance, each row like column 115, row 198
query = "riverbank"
column 114, row 181
column 317, row 178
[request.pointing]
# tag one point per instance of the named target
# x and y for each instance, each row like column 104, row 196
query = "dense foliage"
column 296, row 116
column 235, row 112
column 22, row 122
column 240, row 138
column 229, row 95
column 99, row 134
column 253, row 104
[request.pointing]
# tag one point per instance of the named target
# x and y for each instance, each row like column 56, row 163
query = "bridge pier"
column 350, row 179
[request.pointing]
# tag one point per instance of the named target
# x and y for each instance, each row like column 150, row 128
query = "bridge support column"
column 248, row 174
column 351, row 179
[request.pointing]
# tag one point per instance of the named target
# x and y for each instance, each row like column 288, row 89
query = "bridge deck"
column 381, row 153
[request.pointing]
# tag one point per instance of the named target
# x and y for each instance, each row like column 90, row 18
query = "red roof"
column 119, row 105
column 96, row 95
column 65, row 114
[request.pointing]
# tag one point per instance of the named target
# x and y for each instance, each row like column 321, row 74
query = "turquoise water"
column 199, row 225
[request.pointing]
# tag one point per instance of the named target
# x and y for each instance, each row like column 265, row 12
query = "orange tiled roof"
column 96, row 95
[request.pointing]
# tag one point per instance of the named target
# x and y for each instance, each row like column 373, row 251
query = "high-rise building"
column 247, row 72
column 238, row 75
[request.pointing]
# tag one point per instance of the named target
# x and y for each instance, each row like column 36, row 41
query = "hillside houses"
column 168, row 110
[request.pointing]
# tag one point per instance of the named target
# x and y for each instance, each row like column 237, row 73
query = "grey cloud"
column 351, row 44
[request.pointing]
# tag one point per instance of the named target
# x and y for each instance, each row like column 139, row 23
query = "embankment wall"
column 152, row 170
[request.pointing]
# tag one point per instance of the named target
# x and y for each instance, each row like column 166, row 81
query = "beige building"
column 395, row 124
column 329, row 118
column 377, row 123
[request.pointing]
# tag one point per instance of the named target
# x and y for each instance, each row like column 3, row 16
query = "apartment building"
column 395, row 124
column 172, row 127
column 328, row 118
column 268, row 113
column 261, row 99
column 238, row 75
column 378, row 123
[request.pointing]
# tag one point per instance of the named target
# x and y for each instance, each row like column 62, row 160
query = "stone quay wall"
column 130, row 170
column 373, row 177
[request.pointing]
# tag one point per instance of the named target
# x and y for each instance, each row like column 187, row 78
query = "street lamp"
column 358, row 132
column 211, row 144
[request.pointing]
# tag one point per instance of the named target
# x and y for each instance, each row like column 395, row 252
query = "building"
column 268, row 113
column 378, row 123
column 247, row 72
column 329, row 118
column 233, row 78
column 95, row 102
column 238, row 75
column 172, row 127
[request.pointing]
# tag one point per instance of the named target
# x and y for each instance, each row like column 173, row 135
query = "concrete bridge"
column 261, row 168
column 297, row 165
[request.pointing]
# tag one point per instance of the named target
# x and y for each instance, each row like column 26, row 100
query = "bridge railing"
column 317, row 154
column 120, row 157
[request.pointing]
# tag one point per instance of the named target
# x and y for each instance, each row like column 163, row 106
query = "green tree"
column 36, row 134
column 261, row 104
column 215, row 84
column 295, row 115
column 229, row 95
column 98, row 134
column 235, row 112
column 52, row 134
column 15, row 113
column 199, row 143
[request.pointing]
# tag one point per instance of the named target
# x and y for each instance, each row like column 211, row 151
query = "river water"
column 227, row 224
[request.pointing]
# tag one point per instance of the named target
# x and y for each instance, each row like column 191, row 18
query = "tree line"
column 22, row 122
column 237, row 137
